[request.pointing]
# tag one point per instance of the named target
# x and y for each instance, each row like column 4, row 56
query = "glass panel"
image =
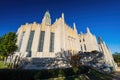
column 81, row 48
column 85, row 47
column 30, row 41
column 41, row 41
column 51, row 49
column 20, row 43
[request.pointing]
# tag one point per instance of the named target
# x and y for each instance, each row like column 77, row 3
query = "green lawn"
column 2, row 65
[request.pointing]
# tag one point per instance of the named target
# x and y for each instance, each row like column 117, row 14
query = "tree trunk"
column 11, row 57
column 14, row 63
column 5, row 59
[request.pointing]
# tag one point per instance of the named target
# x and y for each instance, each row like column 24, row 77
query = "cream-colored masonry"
column 65, row 38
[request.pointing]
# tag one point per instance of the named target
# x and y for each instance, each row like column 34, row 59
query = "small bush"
column 60, row 73
column 68, row 72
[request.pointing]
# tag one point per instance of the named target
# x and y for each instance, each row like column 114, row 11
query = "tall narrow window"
column 81, row 48
column 85, row 47
column 30, row 41
column 83, row 40
column 80, row 40
column 51, row 49
column 41, row 41
column 20, row 42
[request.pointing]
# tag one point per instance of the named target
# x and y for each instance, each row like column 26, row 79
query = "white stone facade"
column 56, row 37
column 89, row 41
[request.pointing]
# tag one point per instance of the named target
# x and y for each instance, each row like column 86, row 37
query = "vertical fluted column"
column 25, row 38
column 36, row 41
column 57, row 39
column 46, row 41
column 19, row 36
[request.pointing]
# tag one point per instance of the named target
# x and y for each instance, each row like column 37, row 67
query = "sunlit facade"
column 46, row 39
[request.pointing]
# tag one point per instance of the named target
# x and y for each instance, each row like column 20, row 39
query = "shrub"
column 68, row 72
column 60, row 73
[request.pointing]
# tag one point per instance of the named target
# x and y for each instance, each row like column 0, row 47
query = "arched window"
column 83, row 40
column 80, row 40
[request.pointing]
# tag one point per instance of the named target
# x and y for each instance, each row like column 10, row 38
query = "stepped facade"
column 45, row 40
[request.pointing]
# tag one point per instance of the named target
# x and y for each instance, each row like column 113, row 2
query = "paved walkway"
column 116, row 75
column 118, row 69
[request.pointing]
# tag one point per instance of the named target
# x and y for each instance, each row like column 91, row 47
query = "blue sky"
column 101, row 16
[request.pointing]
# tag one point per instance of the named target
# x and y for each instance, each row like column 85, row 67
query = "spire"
column 81, row 32
column 56, row 19
column 88, row 30
column 74, row 27
column 100, row 40
column 46, row 20
column 62, row 15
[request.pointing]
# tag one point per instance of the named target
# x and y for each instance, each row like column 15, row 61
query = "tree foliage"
column 116, row 57
column 8, row 44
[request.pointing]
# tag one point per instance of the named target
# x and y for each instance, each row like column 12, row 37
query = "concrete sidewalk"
column 118, row 69
column 116, row 75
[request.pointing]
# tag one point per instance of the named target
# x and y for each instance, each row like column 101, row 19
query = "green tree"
column 8, row 44
column 2, row 47
column 116, row 57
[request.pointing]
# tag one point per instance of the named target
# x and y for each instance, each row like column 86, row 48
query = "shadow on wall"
column 63, row 59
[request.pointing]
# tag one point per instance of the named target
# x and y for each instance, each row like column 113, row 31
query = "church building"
column 44, row 40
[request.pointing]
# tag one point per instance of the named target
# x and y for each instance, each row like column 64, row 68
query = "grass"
column 2, row 65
